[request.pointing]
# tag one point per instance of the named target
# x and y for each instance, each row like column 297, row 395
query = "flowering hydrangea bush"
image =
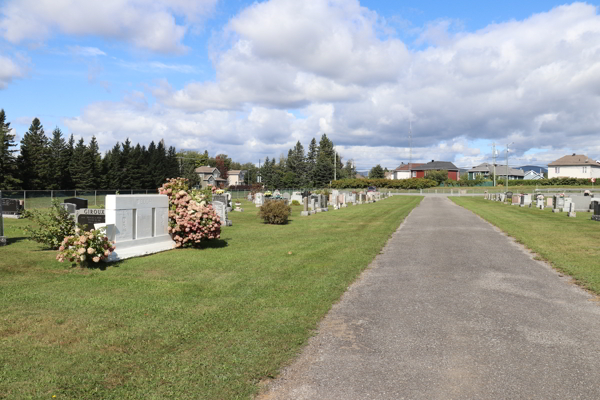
column 85, row 248
column 191, row 219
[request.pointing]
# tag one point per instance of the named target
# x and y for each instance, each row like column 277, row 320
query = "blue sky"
column 250, row 79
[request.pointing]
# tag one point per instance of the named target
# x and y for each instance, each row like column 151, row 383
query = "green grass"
column 571, row 245
column 184, row 324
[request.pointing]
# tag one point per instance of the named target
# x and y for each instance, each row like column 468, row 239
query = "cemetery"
column 212, row 294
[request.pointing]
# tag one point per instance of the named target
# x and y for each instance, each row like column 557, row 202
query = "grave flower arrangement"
column 268, row 193
column 84, row 248
column 191, row 219
column 219, row 191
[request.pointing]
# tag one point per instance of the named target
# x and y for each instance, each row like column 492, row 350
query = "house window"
column 584, row 169
column 557, row 170
column 414, row 174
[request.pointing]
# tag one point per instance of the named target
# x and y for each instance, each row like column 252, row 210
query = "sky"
column 388, row 82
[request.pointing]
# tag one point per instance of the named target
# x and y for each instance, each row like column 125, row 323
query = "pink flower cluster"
column 85, row 247
column 191, row 220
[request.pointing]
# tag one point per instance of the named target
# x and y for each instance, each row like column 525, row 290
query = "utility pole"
column 410, row 149
column 494, row 158
column 334, row 164
column 259, row 178
column 507, row 165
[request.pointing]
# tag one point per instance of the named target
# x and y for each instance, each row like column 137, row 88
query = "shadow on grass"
column 213, row 244
column 12, row 240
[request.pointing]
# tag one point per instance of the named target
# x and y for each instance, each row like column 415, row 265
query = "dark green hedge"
column 413, row 183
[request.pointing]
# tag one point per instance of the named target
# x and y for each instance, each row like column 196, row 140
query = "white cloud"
column 86, row 51
column 10, row 70
column 535, row 82
column 146, row 24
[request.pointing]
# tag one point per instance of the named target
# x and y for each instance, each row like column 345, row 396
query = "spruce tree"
column 376, row 172
column 323, row 173
column 56, row 151
column 159, row 165
column 126, row 182
column 94, row 164
column 114, row 168
column 311, row 161
column 65, row 162
column 80, row 168
column 135, row 167
column 34, row 160
column 172, row 164
column 8, row 162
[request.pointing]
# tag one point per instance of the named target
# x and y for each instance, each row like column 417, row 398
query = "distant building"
column 422, row 170
column 532, row 175
column 404, row 171
column 574, row 166
column 486, row 171
column 235, row 177
column 210, row 176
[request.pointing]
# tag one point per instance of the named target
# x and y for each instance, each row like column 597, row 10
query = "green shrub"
column 51, row 226
column 296, row 203
column 275, row 212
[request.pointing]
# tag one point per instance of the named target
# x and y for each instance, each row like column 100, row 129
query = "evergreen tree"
column 135, row 167
column 349, row 170
column 159, row 165
column 66, row 181
column 34, row 160
column 126, row 182
column 114, row 175
column 376, row 172
column 80, row 169
column 323, row 173
column 311, row 161
column 94, row 164
column 8, row 162
column 56, row 152
column 172, row 170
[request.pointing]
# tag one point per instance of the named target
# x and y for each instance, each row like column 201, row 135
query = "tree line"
column 58, row 163
column 316, row 168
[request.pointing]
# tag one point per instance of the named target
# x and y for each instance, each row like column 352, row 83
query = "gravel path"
column 452, row 309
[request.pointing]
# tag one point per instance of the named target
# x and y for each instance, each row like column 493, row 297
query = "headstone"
column 582, row 203
column 305, row 212
column 516, row 199
column 525, row 200
column 87, row 217
column 549, row 202
column 571, row 211
column 509, row 195
column 12, row 206
column 229, row 205
column 567, row 204
column 596, row 208
column 221, row 210
column 2, row 237
column 71, row 208
column 249, row 197
column 259, row 199
column 138, row 224
column 313, row 204
column 558, row 203
column 501, row 197
column 540, row 202
column 323, row 203
column 287, row 196
column 220, row 197
column 78, row 201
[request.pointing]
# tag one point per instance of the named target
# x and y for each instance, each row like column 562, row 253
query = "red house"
column 453, row 172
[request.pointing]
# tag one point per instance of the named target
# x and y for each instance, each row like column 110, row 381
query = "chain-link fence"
column 43, row 198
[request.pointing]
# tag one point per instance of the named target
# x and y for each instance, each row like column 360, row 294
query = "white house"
column 210, row 176
column 404, row 171
column 235, row 177
column 531, row 175
column 574, row 166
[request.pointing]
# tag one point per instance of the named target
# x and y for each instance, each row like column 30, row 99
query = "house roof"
column 485, row 167
column 405, row 167
column 389, row 173
column 501, row 170
column 236, row 172
column 574, row 159
column 436, row 165
column 205, row 170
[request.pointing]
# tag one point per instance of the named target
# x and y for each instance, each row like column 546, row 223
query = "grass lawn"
column 184, row 324
column 571, row 245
